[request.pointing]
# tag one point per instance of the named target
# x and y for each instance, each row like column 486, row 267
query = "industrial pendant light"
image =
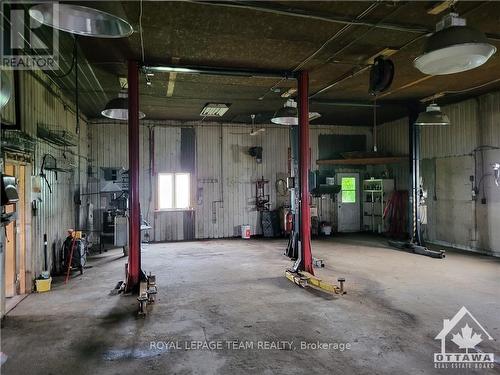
column 117, row 108
column 5, row 89
column 288, row 114
column 454, row 48
column 80, row 20
column 432, row 116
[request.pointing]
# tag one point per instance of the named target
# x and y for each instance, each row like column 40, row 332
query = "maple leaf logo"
column 466, row 340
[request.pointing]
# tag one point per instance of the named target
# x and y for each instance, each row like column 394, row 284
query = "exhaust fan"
column 381, row 75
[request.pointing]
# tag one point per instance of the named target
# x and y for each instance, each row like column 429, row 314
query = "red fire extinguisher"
column 288, row 222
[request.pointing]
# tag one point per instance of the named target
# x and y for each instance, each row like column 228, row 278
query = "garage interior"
column 233, row 187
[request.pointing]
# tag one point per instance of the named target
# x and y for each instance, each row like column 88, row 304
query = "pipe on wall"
column 134, row 255
column 304, row 160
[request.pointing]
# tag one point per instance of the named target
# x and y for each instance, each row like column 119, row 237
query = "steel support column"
column 304, row 160
column 414, row 182
column 134, row 255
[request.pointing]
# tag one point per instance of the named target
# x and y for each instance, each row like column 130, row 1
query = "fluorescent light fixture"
column 214, row 110
column 433, row 97
column 288, row 114
column 454, row 48
column 80, row 20
column 314, row 115
column 117, row 109
column 432, row 116
column 123, row 82
column 289, row 93
column 169, row 69
column 5, row 89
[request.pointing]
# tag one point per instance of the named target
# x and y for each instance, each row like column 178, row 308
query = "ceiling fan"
column 258, row 131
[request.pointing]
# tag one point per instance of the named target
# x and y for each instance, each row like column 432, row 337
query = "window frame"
column 348, row 190
column 174, row 189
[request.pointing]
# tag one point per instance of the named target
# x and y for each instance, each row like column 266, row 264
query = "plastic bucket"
column 43, row 285
column 326, row 230
column 246, row 232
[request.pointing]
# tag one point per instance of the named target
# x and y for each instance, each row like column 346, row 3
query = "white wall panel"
column 233, row 181
column 474, row 123
column 230, row 178
column 109, row 148
column 56, row 211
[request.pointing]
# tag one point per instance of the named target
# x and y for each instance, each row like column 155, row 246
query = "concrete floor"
column 235, row 290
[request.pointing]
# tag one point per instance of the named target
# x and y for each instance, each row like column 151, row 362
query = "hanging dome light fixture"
column 5, row 89
column 117, row 108
column 454, row 48
column 80, row 20
column 432, row 116
column 288, row 114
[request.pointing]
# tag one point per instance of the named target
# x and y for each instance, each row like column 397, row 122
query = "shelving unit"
column 375, row 195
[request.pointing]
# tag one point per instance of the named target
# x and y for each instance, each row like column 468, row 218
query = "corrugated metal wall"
column 230, row 178
column 108, row 147
column 474, row 123
column 56, row 211
column 221, row 209
column 459, row 139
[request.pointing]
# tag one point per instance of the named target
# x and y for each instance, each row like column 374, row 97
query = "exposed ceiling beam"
column 344, row 103
column 405, row 86
column 171, row 79
column 441, row 7
column 301, row 13
column 295, row 12
column 385, row 52
column 357, row 71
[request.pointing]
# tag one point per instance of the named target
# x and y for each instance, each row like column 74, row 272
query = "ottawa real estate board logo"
column 25, row 43
column 463, row 333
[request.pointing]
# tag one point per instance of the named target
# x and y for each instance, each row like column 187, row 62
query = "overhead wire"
column 323, row 46
column 140, row 31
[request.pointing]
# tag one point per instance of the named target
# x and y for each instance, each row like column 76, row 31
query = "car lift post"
column 304, row 159
column 414, row 175
column 134, row 255
column 302, row 272
column 416, row 243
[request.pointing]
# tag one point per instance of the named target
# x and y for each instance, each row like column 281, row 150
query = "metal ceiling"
column 333, row 40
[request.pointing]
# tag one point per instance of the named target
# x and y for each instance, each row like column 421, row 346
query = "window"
column 348, row 189
column 173, row 191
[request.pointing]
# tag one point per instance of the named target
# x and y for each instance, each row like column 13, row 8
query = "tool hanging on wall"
column 261, row 198
column 256, row 152
column 48, row 163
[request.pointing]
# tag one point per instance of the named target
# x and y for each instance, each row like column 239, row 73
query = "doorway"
column 15, row 238
column 348, row 205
